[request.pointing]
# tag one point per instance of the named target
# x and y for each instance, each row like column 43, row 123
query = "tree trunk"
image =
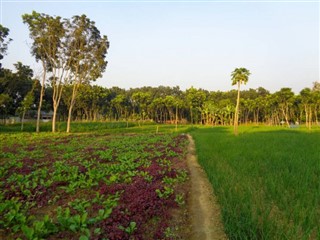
column 22, row 119
column 307, row 115
column 95, row 113
column 285, row 114
column 41, row 96
column 310, row 117
column 176, row 118
column 71, row 106
column 54, row 117
column 236, row 115
column 56, row 97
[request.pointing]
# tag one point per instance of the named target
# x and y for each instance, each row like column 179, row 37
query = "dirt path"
column 205, row 212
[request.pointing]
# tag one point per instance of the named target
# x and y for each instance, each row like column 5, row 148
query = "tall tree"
column 48, row 33
column 119, row 103
column 238, row 76
column 195, row 99
column 87, row 50
column 306, row 99
column 158, row 107
column 142, row 100
column 4, row 41
column 37, row 26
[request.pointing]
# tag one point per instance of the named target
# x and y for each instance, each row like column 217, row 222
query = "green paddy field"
column 267, row 180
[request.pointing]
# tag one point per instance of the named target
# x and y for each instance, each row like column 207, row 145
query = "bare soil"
column 204, row 211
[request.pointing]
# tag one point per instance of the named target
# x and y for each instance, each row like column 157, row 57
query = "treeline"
column 72, row 54
column 160, row 104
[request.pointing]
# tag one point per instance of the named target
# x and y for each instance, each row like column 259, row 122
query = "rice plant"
column 267, row 180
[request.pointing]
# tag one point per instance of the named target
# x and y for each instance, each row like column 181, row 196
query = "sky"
column 188, row 43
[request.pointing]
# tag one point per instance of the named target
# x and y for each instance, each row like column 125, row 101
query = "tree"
column 169, row 102
column 316, row 86
column 86, row 52
column 306, row 99
column 26, row 104
column 5, row 100
column 119, row 103
column 48, row 47
column 92, row 100
column 158, row 107
column 195, row 100
column 38, row 26
column 285, row 98
column 226, row 108
column 209, row 112
column 316, row 100
column 72, row 51
column 4, row 41
column 16, row 85
column 239, row 76
column 178, row 104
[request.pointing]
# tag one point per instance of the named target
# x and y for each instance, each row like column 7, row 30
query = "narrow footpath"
column 204, row 210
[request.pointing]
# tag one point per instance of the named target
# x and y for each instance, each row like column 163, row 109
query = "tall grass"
column 267, row 180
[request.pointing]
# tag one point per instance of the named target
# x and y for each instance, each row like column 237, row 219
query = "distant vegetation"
column 71, row 95
column 266, row 180
column 167, row 104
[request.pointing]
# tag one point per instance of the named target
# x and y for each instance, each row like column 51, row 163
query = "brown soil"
column 205, row 214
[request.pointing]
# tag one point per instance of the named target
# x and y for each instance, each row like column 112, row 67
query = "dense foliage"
column 168, row 104
column 91, row 185
column 71, row 51
column 4, row 41
column 266, row 180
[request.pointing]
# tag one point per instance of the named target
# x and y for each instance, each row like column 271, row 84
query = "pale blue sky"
column 189, row 43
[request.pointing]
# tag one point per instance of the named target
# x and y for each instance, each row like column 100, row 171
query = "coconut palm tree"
column 239, row 76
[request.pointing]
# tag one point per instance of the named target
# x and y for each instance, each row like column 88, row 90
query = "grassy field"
column 92, row 185
column 267, row 180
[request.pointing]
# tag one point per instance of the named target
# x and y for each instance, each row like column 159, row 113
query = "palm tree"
column 239, row 76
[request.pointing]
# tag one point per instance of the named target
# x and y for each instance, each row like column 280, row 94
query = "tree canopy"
column 71, row 51
column 239, row 76
column 73, row 55
column 4, row 41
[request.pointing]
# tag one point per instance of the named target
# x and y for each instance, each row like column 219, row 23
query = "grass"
column 267, row 180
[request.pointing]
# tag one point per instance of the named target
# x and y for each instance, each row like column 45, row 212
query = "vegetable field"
column 267, row 180
column 96, row 186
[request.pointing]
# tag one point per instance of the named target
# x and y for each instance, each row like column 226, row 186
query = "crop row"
column 90, row 185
